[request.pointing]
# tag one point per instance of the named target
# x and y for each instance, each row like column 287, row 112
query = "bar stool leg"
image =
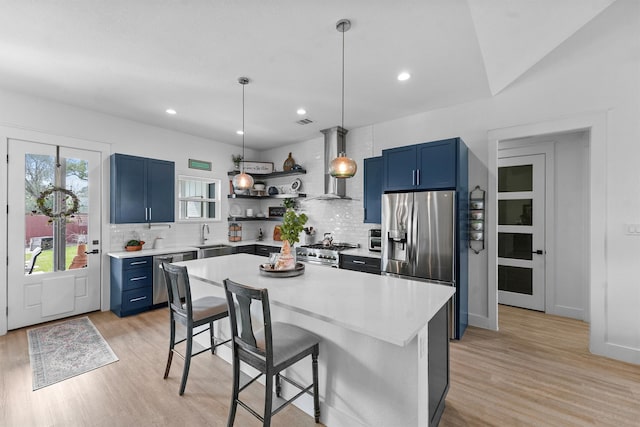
column 212, row 338
column 187, row 359
column 172, row 343
column 235, row 391
column 278, row 385
column 316, row 397
column 268, row 396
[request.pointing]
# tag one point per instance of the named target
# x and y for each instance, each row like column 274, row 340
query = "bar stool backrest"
column 174, row 275
column 244, row 337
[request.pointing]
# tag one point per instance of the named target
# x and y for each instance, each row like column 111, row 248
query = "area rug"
column 66, row 349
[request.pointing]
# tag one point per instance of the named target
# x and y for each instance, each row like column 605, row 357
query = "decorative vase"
column 287, row 258
column 288, row 164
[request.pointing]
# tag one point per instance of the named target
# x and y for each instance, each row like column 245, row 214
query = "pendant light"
column 342, row 166
column 243, row 181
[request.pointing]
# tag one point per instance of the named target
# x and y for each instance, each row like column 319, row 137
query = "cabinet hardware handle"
column 138, row 278
column 138, row 262
column 137, row 299
column 355, row 261
column 413, row 177
column 149, row 214
column 418, row 177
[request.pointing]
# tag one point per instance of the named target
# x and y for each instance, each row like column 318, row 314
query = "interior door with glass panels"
column 54, row 228
column 521, row 211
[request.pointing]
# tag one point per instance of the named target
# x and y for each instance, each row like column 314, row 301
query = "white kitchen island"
column 374, row 362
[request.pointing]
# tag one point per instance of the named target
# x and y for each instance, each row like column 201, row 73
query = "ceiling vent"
column 304, row 121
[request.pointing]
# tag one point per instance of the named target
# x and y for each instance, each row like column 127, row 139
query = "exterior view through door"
column 521, row 225
column 53, row 236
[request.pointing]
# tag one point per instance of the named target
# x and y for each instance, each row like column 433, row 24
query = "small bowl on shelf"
column 476, row 235
column 259, row 187
column 477, row 215
column 477, row 225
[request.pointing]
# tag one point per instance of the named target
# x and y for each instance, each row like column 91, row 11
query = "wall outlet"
column 632, row 229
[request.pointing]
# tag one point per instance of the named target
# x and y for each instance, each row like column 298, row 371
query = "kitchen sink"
column 214, row 250
column 213, row 246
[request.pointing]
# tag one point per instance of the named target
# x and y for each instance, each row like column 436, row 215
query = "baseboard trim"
column 480, row 322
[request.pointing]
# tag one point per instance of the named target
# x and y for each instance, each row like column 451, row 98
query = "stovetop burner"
column 333, row 247
column 317, row 253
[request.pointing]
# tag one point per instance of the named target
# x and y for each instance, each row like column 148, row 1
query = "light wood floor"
column 536, row 371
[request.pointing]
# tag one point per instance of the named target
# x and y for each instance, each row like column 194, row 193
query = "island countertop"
column 383, row 307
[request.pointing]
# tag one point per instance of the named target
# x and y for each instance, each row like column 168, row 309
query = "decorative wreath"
column 70, row 201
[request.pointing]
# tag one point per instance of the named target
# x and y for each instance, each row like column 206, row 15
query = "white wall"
column 594, row 71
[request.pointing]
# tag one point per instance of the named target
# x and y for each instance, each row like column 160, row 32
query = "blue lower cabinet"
column 136, row 300
column 131, row 285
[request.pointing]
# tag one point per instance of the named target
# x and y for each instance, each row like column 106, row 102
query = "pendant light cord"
column 243, row 85
column 342, row 119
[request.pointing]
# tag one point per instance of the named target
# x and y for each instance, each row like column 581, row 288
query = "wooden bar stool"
column 272, row 349
column 191, row 314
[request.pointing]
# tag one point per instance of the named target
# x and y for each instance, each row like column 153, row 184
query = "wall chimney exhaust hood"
column 334, row 144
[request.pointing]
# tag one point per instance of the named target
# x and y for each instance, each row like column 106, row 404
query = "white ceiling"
column 136, row 58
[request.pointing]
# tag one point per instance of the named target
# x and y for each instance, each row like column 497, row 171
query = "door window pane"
column 515, row 178
column 515, row 212
column 56, row 208
column 515, row 245
column 515, row 279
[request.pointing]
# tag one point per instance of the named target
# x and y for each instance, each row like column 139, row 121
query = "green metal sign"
column 199, row 164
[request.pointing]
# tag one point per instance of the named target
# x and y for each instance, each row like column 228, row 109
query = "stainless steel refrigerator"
column 420, row 241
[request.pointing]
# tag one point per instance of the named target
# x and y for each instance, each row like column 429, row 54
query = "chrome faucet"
column 202, row 238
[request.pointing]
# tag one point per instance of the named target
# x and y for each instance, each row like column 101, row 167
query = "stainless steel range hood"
column 334, row 144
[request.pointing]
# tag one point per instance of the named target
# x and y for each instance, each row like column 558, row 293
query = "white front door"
column 53, row 239
column 521, row 230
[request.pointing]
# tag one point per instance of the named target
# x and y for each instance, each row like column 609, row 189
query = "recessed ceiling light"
column 240, row 132
column 170, row 111
column 301, row 111
column 404, row 76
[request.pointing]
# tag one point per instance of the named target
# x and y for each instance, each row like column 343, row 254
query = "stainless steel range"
column 323, row 255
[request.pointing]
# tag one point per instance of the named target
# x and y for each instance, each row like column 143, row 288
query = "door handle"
column 538, row 252
column 95, row 251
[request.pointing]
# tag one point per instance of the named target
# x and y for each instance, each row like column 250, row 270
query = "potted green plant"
column 236, row 159
column 292, row 225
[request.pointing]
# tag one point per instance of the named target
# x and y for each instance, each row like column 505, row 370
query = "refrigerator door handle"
column 412, row 248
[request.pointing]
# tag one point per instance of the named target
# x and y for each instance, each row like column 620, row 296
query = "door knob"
column 539, row 252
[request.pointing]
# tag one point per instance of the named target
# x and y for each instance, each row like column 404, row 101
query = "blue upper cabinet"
column 429, row 166
column 142, row 190
column 399, row 168
column 161, row 190
column 373, row 190
column 437, row 167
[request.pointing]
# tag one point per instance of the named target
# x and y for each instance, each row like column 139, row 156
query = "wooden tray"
column 265, row 270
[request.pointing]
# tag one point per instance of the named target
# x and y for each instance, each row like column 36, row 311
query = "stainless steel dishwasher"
column 159, row 284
